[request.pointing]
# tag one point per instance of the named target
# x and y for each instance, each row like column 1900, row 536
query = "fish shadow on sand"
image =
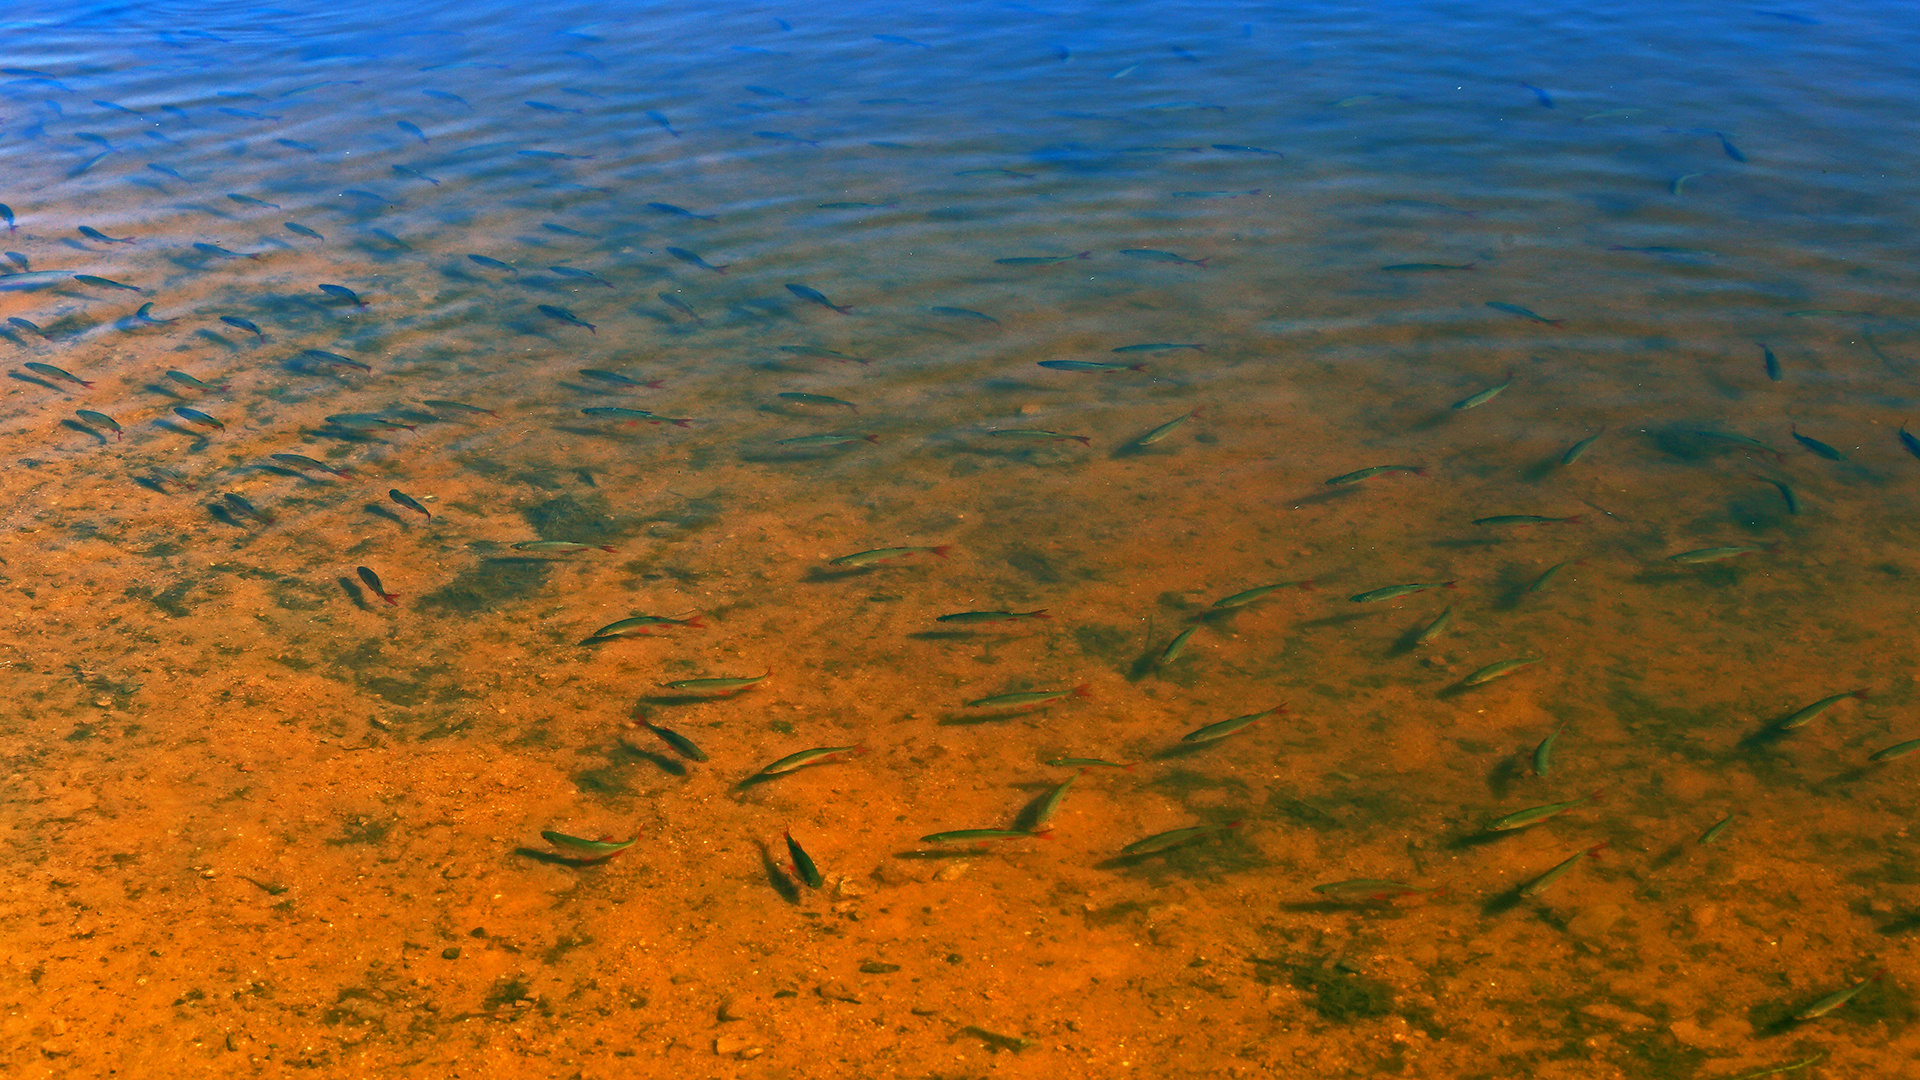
column 355, row 594
column 380, row 511
column 777, row 879
column 552, row 859
column 35, row 380
column 75, row 425
column 668, row 765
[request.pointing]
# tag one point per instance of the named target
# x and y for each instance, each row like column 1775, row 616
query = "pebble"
column 732, row 1008
column 953, row 871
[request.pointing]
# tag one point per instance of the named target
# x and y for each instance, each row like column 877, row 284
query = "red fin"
column 941, row 550
column 1574, row 520
column 1860, row 693
column 1084, row 255
column 1081, row 439
column 1083, row 690
column 860, row 749
column 1594, row 851
column 1450, row 584
column 655, row 384
column 391, row 598
column 683, row 423
column 696, row 623
column 1202, row 263
column 1306, row 585
column 604, row 547
column 1041, row 614
column 875, row 439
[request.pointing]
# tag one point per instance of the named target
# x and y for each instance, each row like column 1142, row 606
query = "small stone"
column 1703, row 915
column 752, row 1052
column 732, row 1008
column 953, row 871
column 844, row 886
column 54, row 1048
column 452, row 952
column 895, row 873
column 876, row 967
column 1617, row 1015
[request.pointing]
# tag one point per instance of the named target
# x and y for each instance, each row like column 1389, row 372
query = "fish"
column 1661, row 249
column 294, row 144
column 302, row 461
column 409, row 502
column 809, row 757
column 1049, row 805
column 965, row 835
column 301, row 230
column 1579, row 450
column 1543, row 753
column 1529, row 519
column 889, row 554
column 405, row 170
column 1815, row 445
column 896, row 39
column 92, row 233
column 824, row 354
column 23, row 324
column 1165, row 429
column 195, row 416
column 1908, row 440
column 1435, row 628
column 1089, row 365
column 1838, row 998
column 1424, row 267
column 365, row 422
column 1151, row 255
column 978, row 172
column 1040, row 435
column 1726, row 145
column 246, row 114
column 970, row 618
column 1223, row 728
column 1740, row 440
column 1474, row 401
column 1178, row 645
column 834, row 438
column 803, row 867
column 443, row 95
column 1713, row 831
column 493, row 263
column 721, row 685
column 248, row 200
column 1090, row 763
column 563, row 315
column 576, row 272
column 1901, row 749
column 816, row 399
column 1167, row 841
column 640, row 625
column 372, row 581
column 412, row 129
column 637, row 415
column 1499, row 669
column 1376, row 470
column 1772, row 362
column 691, row 259
column 185, row 379
column 1233, row 149
column 457, row 406
column 1533, row 815
column 247, row 508
column 1390, row 592
column 1042, row 260
column 1031, row 699
column 1719, row 554
column 1539, row 885
column 1524, row 313
column 19, row 260
column 679, row 211
column 657, row 117
column 618, row 379
column 545, row 107
column 1679, row 183
column 806, row 293
column 1786, row 491
column 605, row 848
column 99, row 420
column 333, row 359
column 58, row 374
column 1248, row 596
column 341, row 292
column 243, row 324
column 1552, row 572
column 219, row 252
column 1368, row 889
column 104, row 283
column 6, row 215
column 1546, row 100
column 561, row 546
column 391, row 239
column 95, row 138
column 1160, row 346
column 1804, row 715
column 681, row 744
column 858, row 205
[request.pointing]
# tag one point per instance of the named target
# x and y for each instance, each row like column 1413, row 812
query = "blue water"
column 261, row 813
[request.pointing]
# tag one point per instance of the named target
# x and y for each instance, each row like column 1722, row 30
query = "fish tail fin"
column 683, row 423
column 1420, row 470
column 1136, row 367
column 1083, row 440
column 1040, row 614
column 1860, row 693
column 608, row 547
column 722, row 268
column 1084, row 255
column 941, row 549
column 859, row 749
column 1083, row 690
column 844, row 309
column 1306, row 585
column 1202, row 263
column 871, row 438
column 1235, row 824
column 1454, row 584
column 1594, row 851
column 1576, row 519
column 391, row 598
column 696, row 623
column 1044, row 832
column 654, row 384
column 1129, row 766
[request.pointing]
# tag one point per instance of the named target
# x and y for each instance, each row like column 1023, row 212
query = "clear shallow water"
column 262, row 820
